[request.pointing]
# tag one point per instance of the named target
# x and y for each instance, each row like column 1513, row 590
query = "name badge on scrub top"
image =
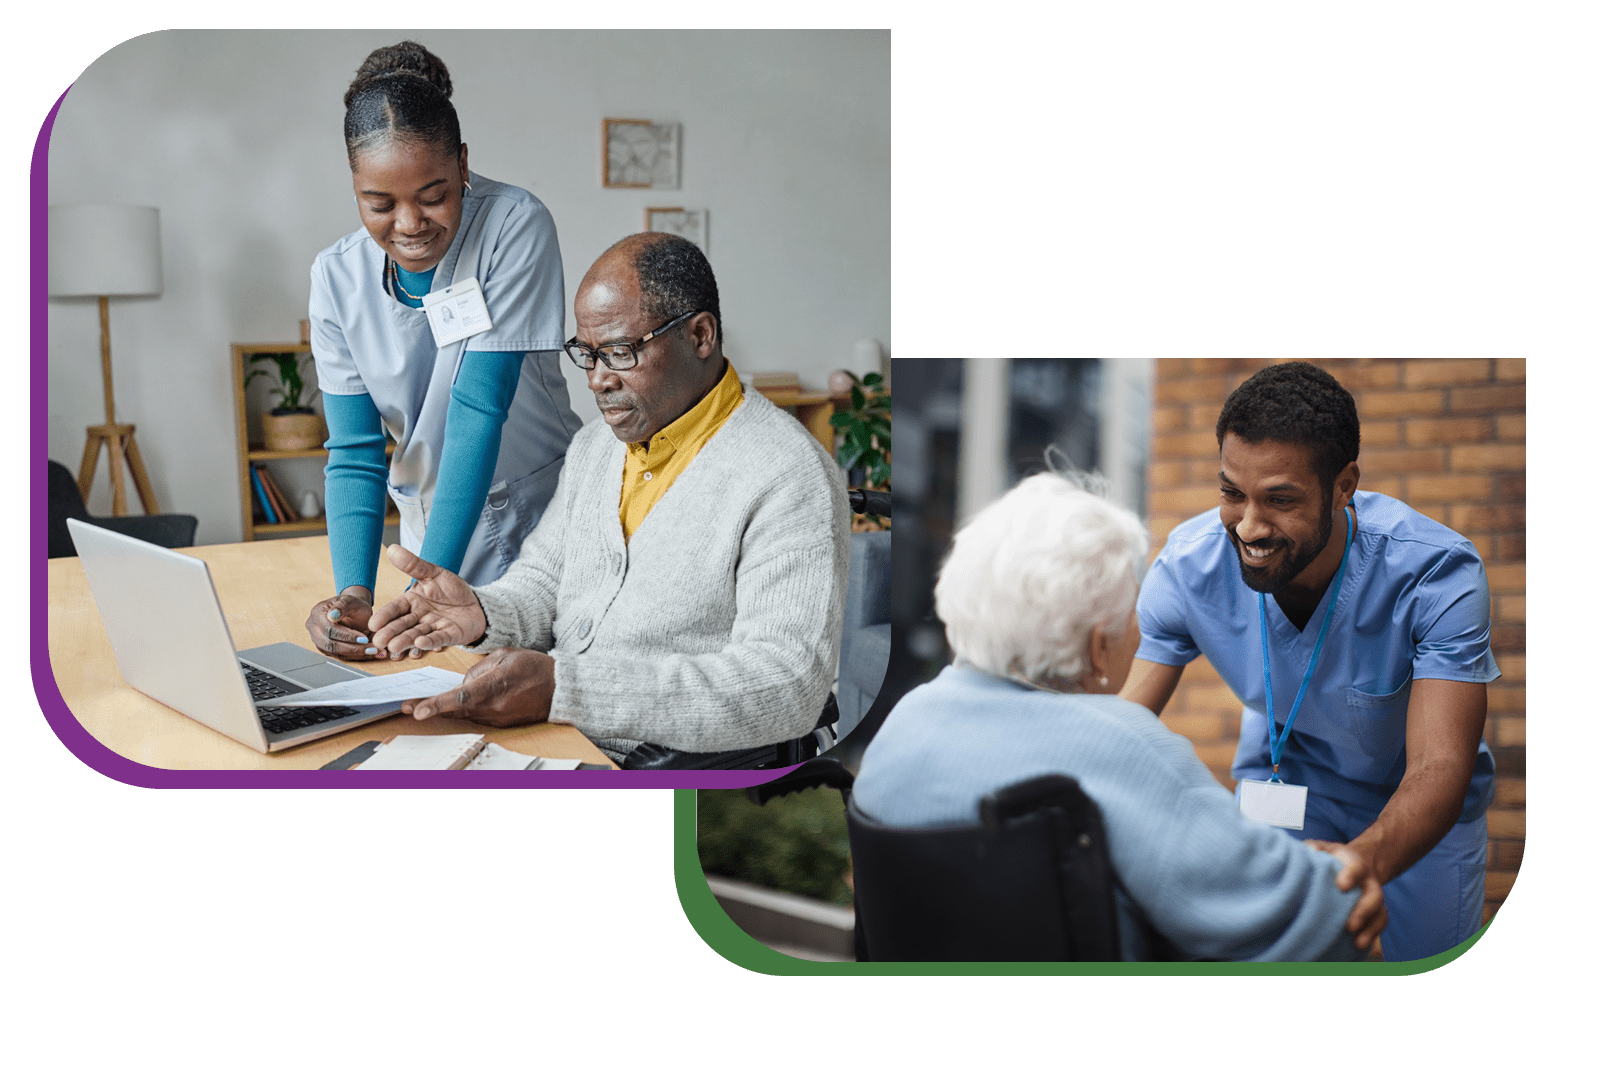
column 457, row 312
column 1274, row 802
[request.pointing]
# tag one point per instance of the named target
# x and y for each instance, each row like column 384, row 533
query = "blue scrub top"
column 366, row 341
column 1414, row 604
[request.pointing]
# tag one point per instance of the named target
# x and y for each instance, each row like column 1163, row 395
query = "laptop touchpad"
column 318, row 674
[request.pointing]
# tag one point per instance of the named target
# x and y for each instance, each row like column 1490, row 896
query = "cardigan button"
column 616, row 563
column 583, row 630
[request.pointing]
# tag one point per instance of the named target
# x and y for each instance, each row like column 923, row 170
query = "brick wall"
column 1447, row 437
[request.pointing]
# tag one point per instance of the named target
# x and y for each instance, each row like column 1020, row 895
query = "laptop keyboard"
column 263, row 686
column 283, row 719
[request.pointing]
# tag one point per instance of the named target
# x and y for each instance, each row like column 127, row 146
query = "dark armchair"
column 167, row 530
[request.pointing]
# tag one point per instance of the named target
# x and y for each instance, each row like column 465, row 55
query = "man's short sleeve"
column 1163, row 618
column 1452, row 627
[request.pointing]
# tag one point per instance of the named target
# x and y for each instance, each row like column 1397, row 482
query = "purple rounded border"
column 102, row 759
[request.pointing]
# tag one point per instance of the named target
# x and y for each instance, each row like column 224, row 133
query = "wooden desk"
column 266, row 589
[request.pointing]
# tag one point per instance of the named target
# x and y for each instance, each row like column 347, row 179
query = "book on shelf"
column 267, row 514
column 280, row 501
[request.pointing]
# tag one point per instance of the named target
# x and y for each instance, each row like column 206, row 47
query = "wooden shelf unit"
column 251, row 451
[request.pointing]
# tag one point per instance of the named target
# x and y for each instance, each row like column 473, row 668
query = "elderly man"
column 680, row 601
column 1355, row 631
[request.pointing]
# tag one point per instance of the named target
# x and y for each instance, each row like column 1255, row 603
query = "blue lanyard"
column 1274, row 738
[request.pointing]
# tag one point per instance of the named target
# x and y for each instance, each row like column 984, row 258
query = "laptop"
column 172, row 643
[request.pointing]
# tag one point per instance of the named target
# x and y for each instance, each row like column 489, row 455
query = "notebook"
column 172, row 643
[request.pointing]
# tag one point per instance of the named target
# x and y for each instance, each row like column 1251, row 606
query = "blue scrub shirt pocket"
column 513, row 508
column 1377, row 721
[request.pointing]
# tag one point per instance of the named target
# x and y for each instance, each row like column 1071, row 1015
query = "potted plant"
column 292, row 425
column 864, row 431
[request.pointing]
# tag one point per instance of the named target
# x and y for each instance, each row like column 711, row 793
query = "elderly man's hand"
column 438, row 610
column 511, row 686
column 1368, row 916
column 339, row 625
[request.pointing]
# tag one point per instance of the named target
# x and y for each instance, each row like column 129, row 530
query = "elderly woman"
column 1037, row 597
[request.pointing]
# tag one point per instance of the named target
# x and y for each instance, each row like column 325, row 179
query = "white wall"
column 236, row 137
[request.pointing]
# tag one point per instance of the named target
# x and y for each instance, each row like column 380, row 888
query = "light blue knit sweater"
column 1214, row 883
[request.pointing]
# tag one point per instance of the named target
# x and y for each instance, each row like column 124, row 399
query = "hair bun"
column 408, row 58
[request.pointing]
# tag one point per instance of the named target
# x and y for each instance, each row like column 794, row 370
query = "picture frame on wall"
column 690, row 223
column 640, row 154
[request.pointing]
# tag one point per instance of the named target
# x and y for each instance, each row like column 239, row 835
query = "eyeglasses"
column 618, row 356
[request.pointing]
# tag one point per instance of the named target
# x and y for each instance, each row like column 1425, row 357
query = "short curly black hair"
column 401, row 93
column 1298, row 404
column 675, row 278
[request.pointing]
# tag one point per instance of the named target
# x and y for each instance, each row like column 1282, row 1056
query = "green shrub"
column 795, row 843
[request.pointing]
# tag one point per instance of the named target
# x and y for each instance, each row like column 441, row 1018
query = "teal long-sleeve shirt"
column 357, row 470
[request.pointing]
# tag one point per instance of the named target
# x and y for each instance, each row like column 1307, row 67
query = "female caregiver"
column 465, row 380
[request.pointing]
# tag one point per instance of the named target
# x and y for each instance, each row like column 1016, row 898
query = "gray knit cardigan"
column 716, row 626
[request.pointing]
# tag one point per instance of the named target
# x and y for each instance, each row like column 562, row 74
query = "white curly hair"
column 1030, row 576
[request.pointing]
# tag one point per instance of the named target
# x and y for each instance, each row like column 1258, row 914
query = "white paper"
column 1274, row 803
column 384, row 688
column 413, row 751
column 456, row 312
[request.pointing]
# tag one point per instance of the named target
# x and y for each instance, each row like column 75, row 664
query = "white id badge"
column 457, row 312
column 1275, row 803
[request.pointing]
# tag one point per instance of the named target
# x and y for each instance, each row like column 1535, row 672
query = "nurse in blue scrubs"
column 1355, row 632
column 474, row 400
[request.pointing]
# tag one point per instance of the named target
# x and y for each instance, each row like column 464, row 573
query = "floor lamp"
column 106, row 250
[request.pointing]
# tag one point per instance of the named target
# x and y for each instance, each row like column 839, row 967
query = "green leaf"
column 841, row 419
column 872, row 380
column 858, row 399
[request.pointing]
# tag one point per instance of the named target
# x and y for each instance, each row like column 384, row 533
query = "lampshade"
column 105, row 250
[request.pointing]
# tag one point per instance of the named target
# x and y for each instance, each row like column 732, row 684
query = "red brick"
column 1510, row 548
column 1209, row 390
column 1422, row 402
column 1184, row 445
column 1160, row 527
column 1389, row 486
column 1215, row 698
column 1511, row 487
column 1510, row 732
column 1506, row 699
column 1511, row 427
column 1512, row 825
column 1447, row 430
column 1513, row 669
column 1508, row 640
column 1507, row 577
column 1510, row 369
column 1378, row 374
column 1497, row 883
column 1450, row 487
column 1506, row 855
column 1204, row 416
column 1510, row 791
column 1185, row 501
column 1511, row 608
column 1425, row 372
column 1380, row 434
column 1402, row 461
column 1437, row 511
column 1233, row 368
column 1201, row 672
column 1489, row 398
column 1169, row 418
column 1197, row 727
column 1167, row 473
column 1488, row 457
column 1477, row 518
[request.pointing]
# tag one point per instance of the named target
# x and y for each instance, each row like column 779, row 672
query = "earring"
column 468, row 184
column 1105, row 683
